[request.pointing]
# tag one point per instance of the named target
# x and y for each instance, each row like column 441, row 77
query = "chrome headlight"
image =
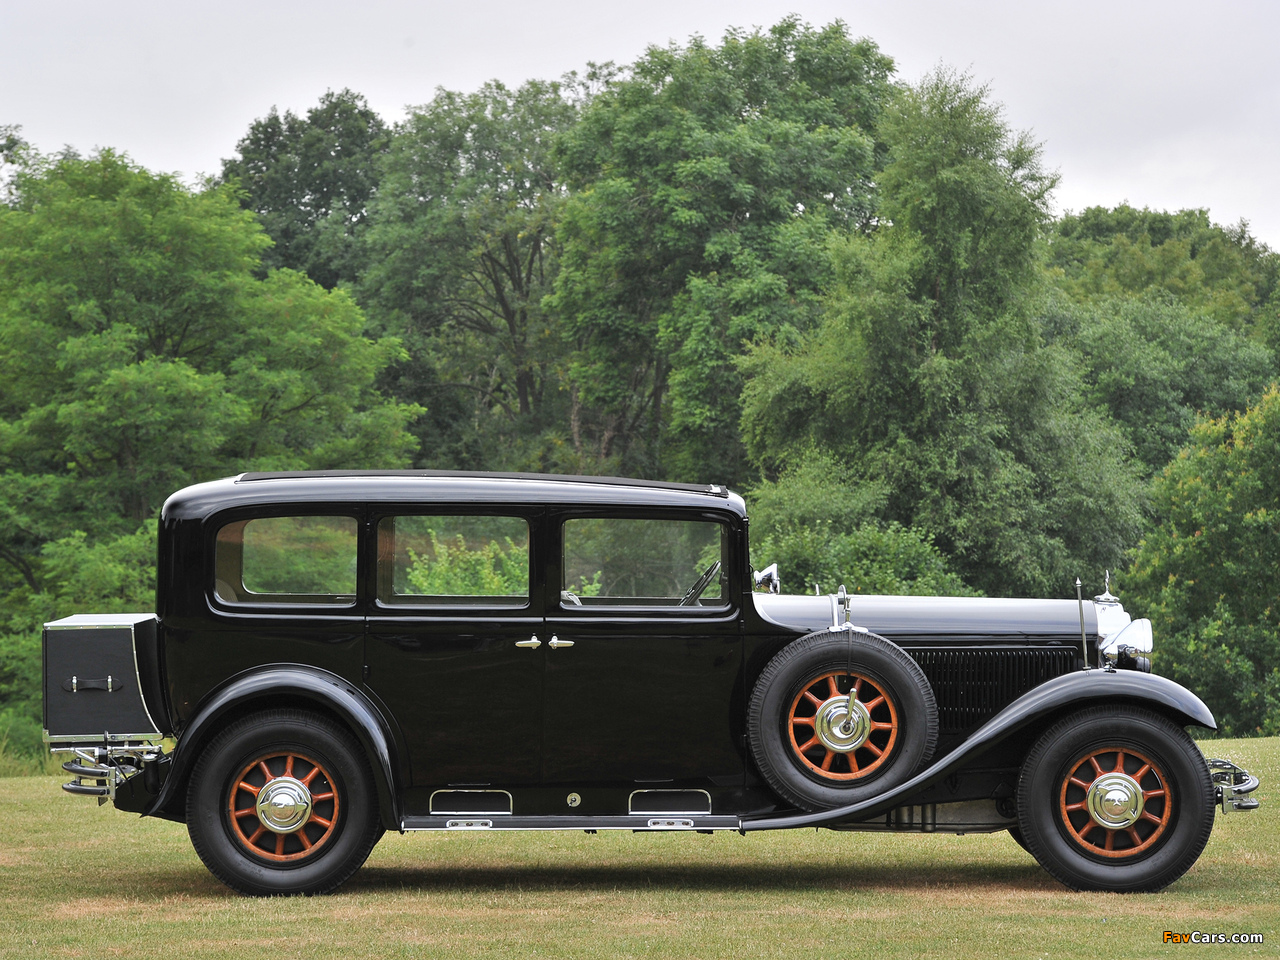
column 1121, row 638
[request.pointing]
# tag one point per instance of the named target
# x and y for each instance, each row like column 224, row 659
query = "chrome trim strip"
column 575, row 824
column 137, row 675
column 104, row 737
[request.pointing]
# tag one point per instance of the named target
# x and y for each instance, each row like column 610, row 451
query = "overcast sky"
column 1164, row 103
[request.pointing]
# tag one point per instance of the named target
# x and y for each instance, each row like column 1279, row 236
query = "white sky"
column 1164, row 103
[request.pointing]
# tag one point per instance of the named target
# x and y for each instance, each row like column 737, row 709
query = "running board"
column 639, row 822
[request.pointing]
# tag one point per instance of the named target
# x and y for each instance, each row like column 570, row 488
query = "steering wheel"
column 690, row 598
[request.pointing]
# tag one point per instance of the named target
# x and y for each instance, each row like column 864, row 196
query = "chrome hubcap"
column 838, row 729
column 284, row 804
column 1115, row 801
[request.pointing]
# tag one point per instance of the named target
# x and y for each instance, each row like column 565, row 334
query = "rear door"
column 453, row 647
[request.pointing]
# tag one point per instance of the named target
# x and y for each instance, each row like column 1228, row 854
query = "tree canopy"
column 1208, row 570
column 310, row 179
column 704, row 184
column 141, row 353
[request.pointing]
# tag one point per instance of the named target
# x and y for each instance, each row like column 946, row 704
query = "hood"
column 934, row 617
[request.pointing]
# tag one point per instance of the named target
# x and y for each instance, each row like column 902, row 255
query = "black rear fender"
column 279, row 685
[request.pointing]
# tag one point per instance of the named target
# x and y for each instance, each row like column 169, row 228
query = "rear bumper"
column 1232, row 785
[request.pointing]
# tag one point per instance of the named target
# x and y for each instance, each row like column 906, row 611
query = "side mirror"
column 768, row 578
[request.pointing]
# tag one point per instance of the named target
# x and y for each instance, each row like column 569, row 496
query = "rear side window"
column 442, row 559
column 287, row 560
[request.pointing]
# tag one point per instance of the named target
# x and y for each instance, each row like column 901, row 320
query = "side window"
column 643, row 562
column 287, row 560
column 453, row 560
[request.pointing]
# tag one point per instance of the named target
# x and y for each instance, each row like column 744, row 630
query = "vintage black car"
column 339, row 654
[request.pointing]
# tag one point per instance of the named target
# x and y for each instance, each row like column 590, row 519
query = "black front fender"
column 272, row 682
column 1081, row 689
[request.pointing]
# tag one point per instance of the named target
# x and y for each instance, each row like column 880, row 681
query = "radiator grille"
column 971, row 686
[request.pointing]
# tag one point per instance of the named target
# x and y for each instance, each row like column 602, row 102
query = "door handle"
column 555, row 642
column 533, row 643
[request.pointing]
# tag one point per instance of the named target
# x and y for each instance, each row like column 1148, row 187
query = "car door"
column 452, row 648
column 640, row 687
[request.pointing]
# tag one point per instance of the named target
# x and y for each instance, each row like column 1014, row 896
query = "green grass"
column 82, row 881
column 27, row 765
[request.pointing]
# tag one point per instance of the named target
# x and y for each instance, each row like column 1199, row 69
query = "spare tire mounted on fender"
column 816, row 754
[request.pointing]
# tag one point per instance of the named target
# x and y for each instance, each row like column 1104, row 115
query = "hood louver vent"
column 971, row 686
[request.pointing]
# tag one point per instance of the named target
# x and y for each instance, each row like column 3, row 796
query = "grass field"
column 77, row 880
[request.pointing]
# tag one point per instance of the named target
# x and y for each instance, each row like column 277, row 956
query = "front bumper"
column 1232, row 785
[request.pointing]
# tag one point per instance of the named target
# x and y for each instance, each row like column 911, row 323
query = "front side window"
column 469, row 560
column 287, row 560
column 643, row 562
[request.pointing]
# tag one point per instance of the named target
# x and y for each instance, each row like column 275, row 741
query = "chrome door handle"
column 556, row 642
column 533, row 643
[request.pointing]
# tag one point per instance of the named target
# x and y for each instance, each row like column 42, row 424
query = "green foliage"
column 1154, row 364
column 140, row 354
column 309, row 180
column 113, row 575
column 493, row 568
column 817, row 522
column 704, row 184
column 460, row 253
column 642, row 557
column 928, row 379
column 874, row 558
column 1220, row 272
column 300, row 555
column 1208, row 572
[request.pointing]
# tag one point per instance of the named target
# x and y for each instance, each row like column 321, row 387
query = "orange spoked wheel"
column 815, row 749
column 836, row 742
column 1115, row 797
column 283, row 807
column 283, row 801
column 1115, row 802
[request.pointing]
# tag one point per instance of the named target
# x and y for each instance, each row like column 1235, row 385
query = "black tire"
column 338, row 821
column 1064, row 773
column 815, row 673
column 1017, row 838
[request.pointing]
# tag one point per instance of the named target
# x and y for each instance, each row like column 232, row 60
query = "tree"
column 705, row 182
column 1221, row 272
column 460, row 253
column 1154, row 364
column 140, row 354
column 1208, row 572
column 310, row 180
column 929, row 380
column 819, row 524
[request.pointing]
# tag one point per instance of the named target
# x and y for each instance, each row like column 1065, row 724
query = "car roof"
column 441, row 486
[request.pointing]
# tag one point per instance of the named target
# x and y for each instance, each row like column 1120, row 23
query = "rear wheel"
column 1115, row 799
column 282, row 802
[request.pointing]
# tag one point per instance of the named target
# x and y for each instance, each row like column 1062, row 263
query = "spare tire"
column 804, row 741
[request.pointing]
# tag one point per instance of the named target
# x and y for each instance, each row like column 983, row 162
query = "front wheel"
column 282, row 802
column 1115, row 799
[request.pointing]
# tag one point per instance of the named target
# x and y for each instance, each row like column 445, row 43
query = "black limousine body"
column 338, row 654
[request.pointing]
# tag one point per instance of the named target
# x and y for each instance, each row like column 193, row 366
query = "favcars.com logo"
column 1197, row 937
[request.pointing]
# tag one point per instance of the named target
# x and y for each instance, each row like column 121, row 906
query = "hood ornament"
column 1106, row 596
